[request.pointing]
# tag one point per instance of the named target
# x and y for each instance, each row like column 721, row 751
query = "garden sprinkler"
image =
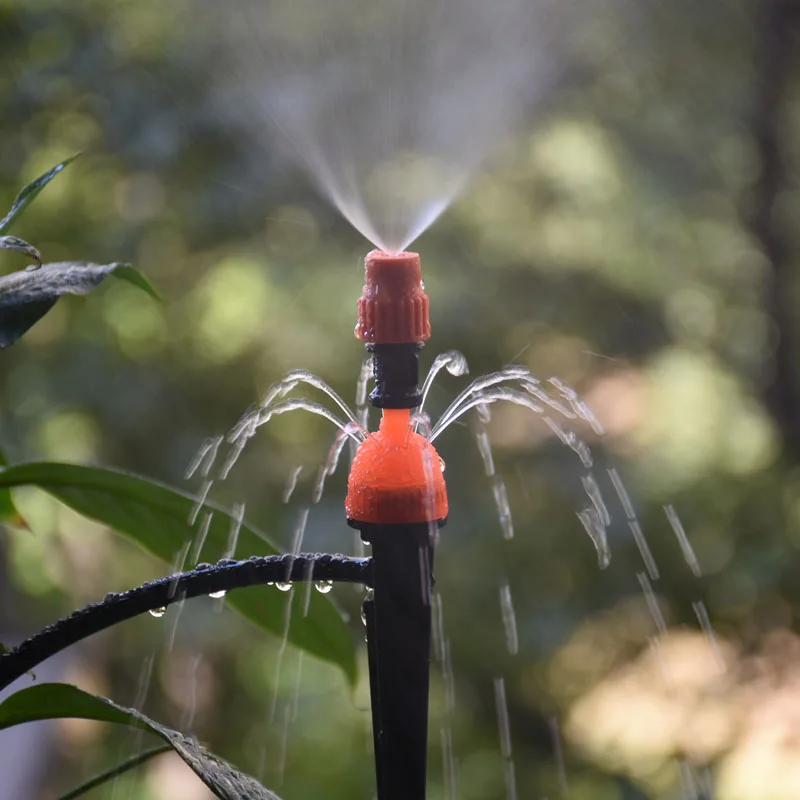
column 397, row 500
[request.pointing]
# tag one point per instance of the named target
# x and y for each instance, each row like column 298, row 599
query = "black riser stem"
column 398, row 621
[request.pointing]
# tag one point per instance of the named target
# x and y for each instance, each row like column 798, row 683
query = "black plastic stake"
column 398, row 622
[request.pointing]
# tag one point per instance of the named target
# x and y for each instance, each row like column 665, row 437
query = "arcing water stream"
column 512, row 385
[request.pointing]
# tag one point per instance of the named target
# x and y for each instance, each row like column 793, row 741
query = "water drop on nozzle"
column 158, row 612
column 283, row 586
column 369, row 597
column 457, row 364
column 219, row 594
column 323, row 587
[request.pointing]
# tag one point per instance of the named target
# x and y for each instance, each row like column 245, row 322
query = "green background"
column 637, row 239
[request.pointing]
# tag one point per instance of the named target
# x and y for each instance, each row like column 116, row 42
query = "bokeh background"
column 636, row 238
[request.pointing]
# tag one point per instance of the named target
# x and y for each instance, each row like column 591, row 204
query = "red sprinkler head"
column 396, row 476
column 393, row 308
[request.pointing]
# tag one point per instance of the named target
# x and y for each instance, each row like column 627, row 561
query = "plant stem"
column 119, row 769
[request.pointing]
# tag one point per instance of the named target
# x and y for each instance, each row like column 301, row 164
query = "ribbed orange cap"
column 393, row 308
column 396, row 476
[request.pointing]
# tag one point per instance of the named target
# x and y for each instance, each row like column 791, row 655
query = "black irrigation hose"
column 226, row 575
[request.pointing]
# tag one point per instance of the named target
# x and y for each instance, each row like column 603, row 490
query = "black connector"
column 396, row 371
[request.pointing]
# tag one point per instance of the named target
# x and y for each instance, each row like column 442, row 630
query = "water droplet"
column 291, row 483
column 323, row 586
column 368, row 598
column 283, row 586
column 158, row 612
column 457, row 365
column 368, row 544
column 503, row 508
column 217, row 595
column 597, row 532
column 509, row 618
column 683, row 540
column 442, row 465
column 486, row 452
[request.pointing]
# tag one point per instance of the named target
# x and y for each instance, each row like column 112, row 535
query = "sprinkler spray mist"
column 397, row 500
column 390, row 107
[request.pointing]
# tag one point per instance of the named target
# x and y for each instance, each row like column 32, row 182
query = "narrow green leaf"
column 114, row 772
column 20, row 246
column 132, row 275
column 60, row 700
column 28, row 194
column 26, row 296
column 157, row 518
column 57, row 701
column 8, row 511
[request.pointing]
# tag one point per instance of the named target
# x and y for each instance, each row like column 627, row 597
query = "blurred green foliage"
column 609, row 244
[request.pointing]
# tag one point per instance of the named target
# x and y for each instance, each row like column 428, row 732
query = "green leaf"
column 8, row 511
column 29, row 192
column 20, row 246
column 113, row 772
column 132, row 275
column 156, row 517
column 57, row 701
column 60, row 700
column 25, row 297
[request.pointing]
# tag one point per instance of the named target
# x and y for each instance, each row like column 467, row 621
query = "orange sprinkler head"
column 393, row 308
column 396, row 476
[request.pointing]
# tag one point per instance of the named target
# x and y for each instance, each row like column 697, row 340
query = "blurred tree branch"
column 776, row 44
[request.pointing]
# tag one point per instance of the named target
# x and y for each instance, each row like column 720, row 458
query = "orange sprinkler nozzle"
column 393, row 308
column 396, row 476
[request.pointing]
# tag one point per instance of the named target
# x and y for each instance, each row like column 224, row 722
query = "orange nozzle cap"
column 396, row 476
column 393, row 308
